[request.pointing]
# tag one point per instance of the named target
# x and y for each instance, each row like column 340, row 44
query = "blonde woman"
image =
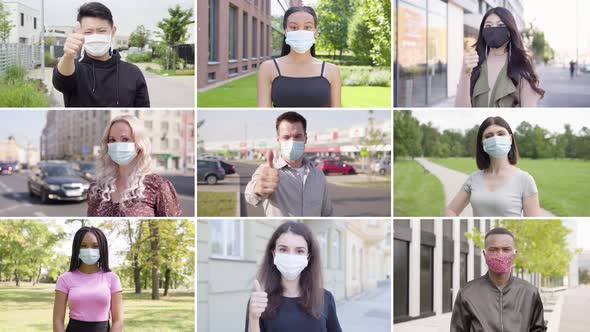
column 125, row 186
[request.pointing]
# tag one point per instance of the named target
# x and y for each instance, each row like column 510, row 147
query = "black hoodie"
column 110, row 83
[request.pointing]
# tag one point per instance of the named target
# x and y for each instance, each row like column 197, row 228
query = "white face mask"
column 300, row 40
column 97, row 44
column 290, row 266
column 122, row 153
column 89, row 256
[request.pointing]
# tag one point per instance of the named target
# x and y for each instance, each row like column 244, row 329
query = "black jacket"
column 110, row 83
column 482, row 307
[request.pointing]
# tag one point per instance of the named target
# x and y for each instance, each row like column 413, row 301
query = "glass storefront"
column 420, row 52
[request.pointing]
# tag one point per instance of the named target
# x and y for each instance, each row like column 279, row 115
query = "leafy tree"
column 5, row 23
column 406, row 135
column 333, row 20
column 140, row 37
column 378, row 15
column 175, row 27
column 360, row 38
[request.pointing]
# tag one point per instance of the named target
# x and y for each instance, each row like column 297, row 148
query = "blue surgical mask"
column 292, row 150
column 89, row 256
column 300, row 40
column 497, row 146
column 122, row 152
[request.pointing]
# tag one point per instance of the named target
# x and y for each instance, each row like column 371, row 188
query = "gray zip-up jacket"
column 483, row 307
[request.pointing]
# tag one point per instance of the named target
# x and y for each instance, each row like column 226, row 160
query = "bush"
column 15, row 91
column 139, row 57
column 365, row 76
column 14, row 74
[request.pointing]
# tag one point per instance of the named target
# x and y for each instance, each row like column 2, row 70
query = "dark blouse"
column 291, row 318
column 160, row 200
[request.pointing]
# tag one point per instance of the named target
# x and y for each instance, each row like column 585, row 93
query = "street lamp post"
column 43, row 40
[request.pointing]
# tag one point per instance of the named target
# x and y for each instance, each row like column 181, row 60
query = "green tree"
column 175, row 27
column 584, row 277
column 378, row 16
column 569, row 140
column 5, row 23
column 333, row 20
column 139, row 37
column 407, row 135
column 360, row 38
column 25, row 246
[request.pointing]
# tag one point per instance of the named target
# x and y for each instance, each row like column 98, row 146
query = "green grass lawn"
column 171, row 72
column 216, row 204
column 562, row 183
column 242, row 93
column 416, row 192
column 30, row 309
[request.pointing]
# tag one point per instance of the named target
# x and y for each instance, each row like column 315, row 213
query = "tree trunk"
column 16, row 278
column 154, row 244
column 137, row 277
column 166, row 280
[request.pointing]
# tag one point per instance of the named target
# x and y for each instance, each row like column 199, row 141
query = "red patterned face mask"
column 500, row 262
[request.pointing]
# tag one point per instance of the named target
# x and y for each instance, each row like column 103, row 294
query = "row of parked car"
column 211, row 169
column 59, row 180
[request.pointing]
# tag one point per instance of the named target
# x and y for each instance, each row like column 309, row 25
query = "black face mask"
column 496, row 36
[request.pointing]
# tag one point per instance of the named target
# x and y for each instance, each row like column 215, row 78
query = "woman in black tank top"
column 298, row 78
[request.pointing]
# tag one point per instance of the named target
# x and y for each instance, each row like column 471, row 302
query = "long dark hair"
column 311, row 281
column 286, row 48
column 481, row 157
column 520, row 64
column 103, row 247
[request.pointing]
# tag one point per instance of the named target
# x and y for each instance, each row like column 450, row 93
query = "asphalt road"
column 347, row 201
column 15, row 200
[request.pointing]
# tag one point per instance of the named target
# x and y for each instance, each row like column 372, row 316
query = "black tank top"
column 301, row 91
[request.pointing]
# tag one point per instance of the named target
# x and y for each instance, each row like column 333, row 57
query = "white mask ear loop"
column 81, row 54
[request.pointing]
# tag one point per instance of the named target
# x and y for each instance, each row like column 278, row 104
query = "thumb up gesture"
column 258, row 302
column 268, row 179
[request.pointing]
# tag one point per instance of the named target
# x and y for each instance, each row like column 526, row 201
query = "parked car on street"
column 335, row 166
column 210, row 171
column 57, row 181
column 227, row 167
column 382, row 166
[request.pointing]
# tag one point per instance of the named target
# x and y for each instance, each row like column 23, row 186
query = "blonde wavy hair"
column 107, row 170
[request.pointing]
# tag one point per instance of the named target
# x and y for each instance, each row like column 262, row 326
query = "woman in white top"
column 499, row 188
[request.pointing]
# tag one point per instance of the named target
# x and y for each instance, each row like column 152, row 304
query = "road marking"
column 5, row 187
column 39, row 214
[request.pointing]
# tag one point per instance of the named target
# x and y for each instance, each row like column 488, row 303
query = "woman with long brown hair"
column 288, row 294
column 499, row 72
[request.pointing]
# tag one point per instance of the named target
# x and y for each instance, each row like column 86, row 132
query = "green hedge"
column 139, row 57
column 16, row 91
column 365, row 76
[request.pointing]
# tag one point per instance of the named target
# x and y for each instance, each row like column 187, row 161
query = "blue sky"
column 25, row 125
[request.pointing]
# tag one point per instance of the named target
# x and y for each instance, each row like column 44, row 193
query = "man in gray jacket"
column 498, row 301
column 291, row 186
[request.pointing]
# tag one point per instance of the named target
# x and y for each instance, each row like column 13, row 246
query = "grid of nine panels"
column 385, row 170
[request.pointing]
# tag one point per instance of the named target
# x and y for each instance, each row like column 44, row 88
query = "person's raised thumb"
column 77, row 27
column 257, row 287
column 270, row 158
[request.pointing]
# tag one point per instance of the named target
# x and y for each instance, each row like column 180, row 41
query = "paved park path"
column 452, row 181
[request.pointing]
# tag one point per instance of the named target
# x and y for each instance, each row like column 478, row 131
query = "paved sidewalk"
column 370, row 311
column 355, row 180
column 452, row 182
column 440, row 323
column 574, row 314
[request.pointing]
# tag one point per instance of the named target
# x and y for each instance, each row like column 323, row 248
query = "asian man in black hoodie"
column 99, row 78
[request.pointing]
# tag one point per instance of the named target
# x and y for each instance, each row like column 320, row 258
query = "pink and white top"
column 89, row 295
